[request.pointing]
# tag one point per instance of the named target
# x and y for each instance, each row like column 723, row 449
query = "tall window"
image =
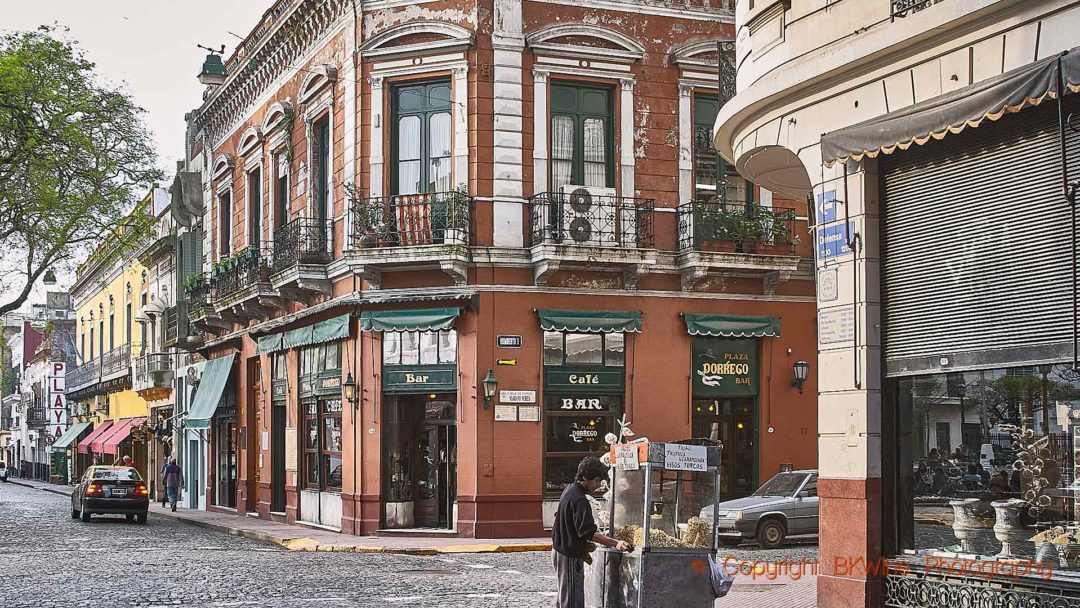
column 142, row 340
column 90, row 356
column 581, row 137
column 225, row 226
column 254, row 184
column 101, row 337
column 112, row 331
column 322, row 421
column 321, row 159
column 421, row 139
column 713, row 177
column 82, row 345
column 281, row 190
column 127, row 323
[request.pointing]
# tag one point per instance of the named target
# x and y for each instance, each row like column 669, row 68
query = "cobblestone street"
column 50, row 560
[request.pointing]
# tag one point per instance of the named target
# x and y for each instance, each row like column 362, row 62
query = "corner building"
column 445, row 246
column 947, row 336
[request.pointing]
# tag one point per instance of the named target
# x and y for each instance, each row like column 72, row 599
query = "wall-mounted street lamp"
column 801, row 369
column 491, row 384
column 348, row 391
column 50, row 277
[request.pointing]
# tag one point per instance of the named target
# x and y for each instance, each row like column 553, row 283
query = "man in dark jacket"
column 574, row 530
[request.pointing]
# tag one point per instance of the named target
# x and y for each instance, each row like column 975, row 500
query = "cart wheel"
column 731, row 542
column 74, row 513
column 771, row 533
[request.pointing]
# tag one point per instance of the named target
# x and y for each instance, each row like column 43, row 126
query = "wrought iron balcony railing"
column 171, row 317
column 82, row 376
column 153, row 371
column 198, row 298
column 36, row 417
column 596, row 221
column 407, row 220
column 903, row 8
column 301, row 241
column 717, row 226
column 116, row 361
column 240, row 271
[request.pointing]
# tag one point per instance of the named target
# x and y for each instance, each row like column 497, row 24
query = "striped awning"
column 955, row 111
column 731, row 326
column 591, row 321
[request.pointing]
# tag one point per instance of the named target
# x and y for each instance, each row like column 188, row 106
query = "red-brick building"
column 416, row 201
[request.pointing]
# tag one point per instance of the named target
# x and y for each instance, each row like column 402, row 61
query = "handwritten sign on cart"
column 626, row 458
column 680, row 457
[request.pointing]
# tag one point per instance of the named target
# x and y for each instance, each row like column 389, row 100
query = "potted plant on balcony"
column 716, row 229
column 368, row 221
column 457, row 216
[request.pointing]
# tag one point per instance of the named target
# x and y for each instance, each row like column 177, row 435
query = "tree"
column 74, row 156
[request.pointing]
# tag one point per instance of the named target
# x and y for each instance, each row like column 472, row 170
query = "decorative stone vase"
column 965, row 522
column 1007, row 526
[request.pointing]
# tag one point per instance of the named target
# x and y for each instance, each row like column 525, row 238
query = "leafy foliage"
column 74, row 157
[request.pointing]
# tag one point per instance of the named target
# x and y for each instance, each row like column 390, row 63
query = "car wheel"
column 141, row 518
column 85, row 515
column 74, row 513
column 730, row 542
column 771, row 534
column 130, row 517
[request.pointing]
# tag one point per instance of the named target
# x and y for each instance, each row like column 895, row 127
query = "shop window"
column 279, row 369
column 991, row 436
column 714, row 179
column 575, row 427
column 584, row 349
column 422, row 138
column 582, row 143
column 322, row 418
column 420, row 347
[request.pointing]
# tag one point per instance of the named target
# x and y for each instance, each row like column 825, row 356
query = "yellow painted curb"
column 469, row 549
column 300, row 544
column 521, row 548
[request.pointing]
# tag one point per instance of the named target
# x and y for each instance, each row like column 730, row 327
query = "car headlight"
column 734, row 514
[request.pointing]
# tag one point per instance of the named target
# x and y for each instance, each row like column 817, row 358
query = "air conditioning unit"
column 588, row 216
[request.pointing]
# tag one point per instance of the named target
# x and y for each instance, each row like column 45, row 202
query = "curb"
column 309, row 544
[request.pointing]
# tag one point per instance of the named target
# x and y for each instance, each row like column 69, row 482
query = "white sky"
column 150, row 46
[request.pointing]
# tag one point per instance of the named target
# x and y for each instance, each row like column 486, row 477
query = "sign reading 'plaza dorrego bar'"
column 725, row 367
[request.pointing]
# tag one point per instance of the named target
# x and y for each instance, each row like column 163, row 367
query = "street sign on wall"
column 56, row 402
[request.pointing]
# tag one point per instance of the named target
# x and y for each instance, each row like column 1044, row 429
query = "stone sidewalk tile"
column 746, row 593
column 303, row 538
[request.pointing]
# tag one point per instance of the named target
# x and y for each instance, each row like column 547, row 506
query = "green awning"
column 730, row 326
column 425, row 319
column 330, row 330
column 214, row 377
column 270, row 344
column 594, row 321
column 70, row 436
column 295, row 338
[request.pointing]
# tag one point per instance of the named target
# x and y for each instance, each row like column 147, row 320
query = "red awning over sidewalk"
column 94, row 436
column 123, row 430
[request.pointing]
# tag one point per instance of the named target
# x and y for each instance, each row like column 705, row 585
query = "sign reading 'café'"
column 725, row 367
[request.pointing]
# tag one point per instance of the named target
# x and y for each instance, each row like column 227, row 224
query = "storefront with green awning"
column 726, row 379
column 419, row 384
column 584, row 362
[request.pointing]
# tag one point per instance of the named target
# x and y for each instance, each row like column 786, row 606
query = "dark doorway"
column 732, row 423
column 277, row 457
column 420, row 468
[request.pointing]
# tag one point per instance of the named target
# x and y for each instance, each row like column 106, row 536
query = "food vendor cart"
column 657, row 493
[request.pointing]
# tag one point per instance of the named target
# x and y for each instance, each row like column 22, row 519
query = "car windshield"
column 119, row 473
column 783, row 484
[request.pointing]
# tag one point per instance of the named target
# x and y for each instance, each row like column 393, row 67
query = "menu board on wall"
column 290, row 449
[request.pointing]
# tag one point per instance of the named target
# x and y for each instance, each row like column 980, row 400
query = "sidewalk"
column 302, row 538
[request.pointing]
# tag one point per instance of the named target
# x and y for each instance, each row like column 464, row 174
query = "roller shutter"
column 976, row 247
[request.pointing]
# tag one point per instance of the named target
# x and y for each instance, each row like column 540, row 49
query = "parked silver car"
column 786, row 505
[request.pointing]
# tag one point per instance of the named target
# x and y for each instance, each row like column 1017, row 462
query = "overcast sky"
column 150, row 45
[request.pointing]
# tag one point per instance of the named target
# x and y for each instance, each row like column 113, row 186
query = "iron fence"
column 588, row 220
column 198, row 298
column 149, row 371
column 36, row 416
column 301, row 241
column 719, row 226
column 82, row 376
column 116, row 360
column 407, row 220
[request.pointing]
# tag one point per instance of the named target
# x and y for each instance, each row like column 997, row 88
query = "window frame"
column 280, row 191
column 579, row 116
column 253, row 185
column 424, row 114
column 225, row 223
column 724, row 171
column 322, row 158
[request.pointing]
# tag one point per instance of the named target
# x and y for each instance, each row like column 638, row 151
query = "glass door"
column 277, row 457
column 435, row 475
column 731, row 422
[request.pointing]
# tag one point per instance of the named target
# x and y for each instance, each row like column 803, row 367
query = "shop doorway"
column 420, row 468
column 732, row 422
column 277, row 456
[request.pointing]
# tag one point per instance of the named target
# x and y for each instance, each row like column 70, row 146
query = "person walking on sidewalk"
column 161, row 475
column 174, row 476
column 574, row 531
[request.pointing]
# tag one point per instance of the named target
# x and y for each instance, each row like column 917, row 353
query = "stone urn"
column 1007, row 526
column 966, row 522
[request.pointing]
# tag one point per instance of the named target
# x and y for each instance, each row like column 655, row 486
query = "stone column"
column 508, row 43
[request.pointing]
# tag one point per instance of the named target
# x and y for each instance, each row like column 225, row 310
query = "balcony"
column 200, row 311
column 411, row 231
column 300, row 254
column 36, row 417
column 82, row 376
column 598, row 233
column 110, row 373
column 153, row 376
column 241, row 288
column 733, row 239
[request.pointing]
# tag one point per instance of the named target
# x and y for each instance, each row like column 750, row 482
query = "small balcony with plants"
column 298, row 259
column 591, row 228
column 240, row 287
column 200, row 311
column 736, row 239
column 432, row 230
